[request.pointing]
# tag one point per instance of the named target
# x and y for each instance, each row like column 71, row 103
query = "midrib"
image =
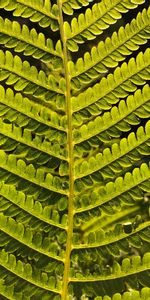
column 70, row 158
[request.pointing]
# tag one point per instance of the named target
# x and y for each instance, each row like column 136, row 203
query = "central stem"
column 70, row 157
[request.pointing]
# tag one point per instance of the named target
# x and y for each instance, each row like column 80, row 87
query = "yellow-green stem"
column 70, row 157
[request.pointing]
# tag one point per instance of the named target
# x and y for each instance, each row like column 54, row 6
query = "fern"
column 74, row 150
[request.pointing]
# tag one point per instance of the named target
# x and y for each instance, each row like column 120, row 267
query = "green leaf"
column 74, row 150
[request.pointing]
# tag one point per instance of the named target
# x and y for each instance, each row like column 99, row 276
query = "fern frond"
column 29, row 42
column 27, row 79
column 8, row 224
column 109, row 53
column 24, row 137
column 29, row 173
column 114, row 243
column 107, row 224
column 119, row 119
column 132, row 294
column 118, row 158
column 74, row 150
column 25, row 272
column 31, row 112
column 30, row 119
column 128, row 267
column 127, row 190
column 30, row 206
column 68, row 6
column 119, row 242
column 26, row 238
column 21, row 290
column 41, row 11
column 111, row 89
column 95, row 21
